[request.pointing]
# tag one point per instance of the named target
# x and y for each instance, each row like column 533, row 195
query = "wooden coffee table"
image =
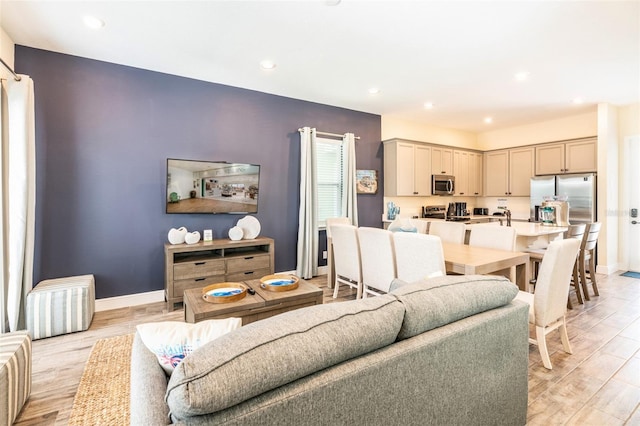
column 251, row 308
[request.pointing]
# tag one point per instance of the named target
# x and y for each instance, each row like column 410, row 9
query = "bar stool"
column 587, row 254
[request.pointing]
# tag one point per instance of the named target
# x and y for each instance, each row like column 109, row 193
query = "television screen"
column 212, row 187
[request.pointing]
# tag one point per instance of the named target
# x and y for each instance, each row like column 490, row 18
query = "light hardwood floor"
column 599, row 384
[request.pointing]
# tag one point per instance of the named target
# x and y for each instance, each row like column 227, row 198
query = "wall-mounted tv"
column 212, row 187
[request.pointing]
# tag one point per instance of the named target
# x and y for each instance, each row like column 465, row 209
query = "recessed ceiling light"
column 374, row 91
column 332, row 2
column 428, row 105
column 93, row 22
column 267, row 65
column 521, row 76
column 578, row 101
column 488, row 120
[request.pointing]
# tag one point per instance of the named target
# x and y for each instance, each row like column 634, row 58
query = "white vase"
column 192, row 237
column 176, row 236
column 236, row 233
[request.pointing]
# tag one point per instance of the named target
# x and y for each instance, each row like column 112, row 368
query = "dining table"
column 471, row 260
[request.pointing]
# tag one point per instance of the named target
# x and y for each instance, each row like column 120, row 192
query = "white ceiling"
column 462, row 56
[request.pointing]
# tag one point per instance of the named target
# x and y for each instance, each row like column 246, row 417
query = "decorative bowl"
column 279, row 282
column 224, row 292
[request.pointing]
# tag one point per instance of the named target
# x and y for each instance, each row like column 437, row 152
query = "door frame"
column 625, row 228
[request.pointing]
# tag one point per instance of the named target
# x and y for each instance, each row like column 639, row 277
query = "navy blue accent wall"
column 103, row 134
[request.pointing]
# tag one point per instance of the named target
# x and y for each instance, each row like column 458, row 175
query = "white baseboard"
column 608, row 269
column 125, row 301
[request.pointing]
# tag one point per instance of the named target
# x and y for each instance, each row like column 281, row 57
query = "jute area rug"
column 103, row 393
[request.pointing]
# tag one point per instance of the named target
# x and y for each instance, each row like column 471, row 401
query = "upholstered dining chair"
column 347, row 258
column 536, row 254
column 449, row 232
column 418, row 256
column 378, row 262
column 548, row 303
column 495, row 237
column 587, row 255
column 331, row 276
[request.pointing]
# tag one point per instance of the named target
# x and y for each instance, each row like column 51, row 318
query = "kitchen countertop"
column 523, row 228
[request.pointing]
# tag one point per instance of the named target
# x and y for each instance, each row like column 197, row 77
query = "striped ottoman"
column 60, row 306
column 15, row 374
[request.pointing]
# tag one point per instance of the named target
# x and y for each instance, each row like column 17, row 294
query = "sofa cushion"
column 272, row 352
column 172, row 341
column 434, row 302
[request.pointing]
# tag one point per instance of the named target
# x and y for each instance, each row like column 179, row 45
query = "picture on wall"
column 367, row 181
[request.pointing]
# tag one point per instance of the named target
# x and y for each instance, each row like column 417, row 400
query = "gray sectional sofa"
column 449, row 350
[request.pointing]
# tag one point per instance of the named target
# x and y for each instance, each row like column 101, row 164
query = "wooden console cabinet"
column 209, row 262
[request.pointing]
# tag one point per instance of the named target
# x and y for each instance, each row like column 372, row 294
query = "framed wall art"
column 367, row 181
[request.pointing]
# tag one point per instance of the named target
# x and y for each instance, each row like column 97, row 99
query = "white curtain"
column 350, row 200
column 307, row 256
column 17, row 199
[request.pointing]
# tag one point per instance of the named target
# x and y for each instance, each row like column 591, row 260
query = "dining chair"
column 347, row 258
column 548, row 303
column 535, row 257
column 331, row 276
column 587, row 255
column 409, row 225
column 377, row 256
column 449, row 232
column 418, row 256
column 495, row 237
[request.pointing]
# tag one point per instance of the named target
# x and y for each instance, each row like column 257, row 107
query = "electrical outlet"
column 324, row 254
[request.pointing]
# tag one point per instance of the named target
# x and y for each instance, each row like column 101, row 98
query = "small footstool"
column 15, row 374
column 60, row 306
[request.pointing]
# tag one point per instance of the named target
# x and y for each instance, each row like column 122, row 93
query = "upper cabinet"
column 568, row 157
column 407, row 169
column 508, row 172
column 441, row 161
column 467, row 169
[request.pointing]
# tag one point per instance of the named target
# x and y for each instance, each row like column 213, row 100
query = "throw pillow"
column 172, row 341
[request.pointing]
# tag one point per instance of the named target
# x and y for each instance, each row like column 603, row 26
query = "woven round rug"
column 103, row 393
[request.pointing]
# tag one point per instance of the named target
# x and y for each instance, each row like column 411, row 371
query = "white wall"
column 7, row 49
column 396, row 128
column 572, row 127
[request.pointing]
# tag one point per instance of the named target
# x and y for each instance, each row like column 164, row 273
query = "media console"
column 208, row 262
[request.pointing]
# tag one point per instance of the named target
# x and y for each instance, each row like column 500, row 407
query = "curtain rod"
column 15, row 76
column 335, row 135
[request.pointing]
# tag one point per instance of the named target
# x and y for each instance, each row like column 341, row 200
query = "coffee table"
column 251, row 308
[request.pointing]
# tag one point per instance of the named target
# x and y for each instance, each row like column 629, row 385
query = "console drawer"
column 180, row 286
column 198, row 269
column 248, row 263
column 248, row 275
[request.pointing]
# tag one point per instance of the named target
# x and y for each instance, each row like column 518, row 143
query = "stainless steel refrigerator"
column 580, row 190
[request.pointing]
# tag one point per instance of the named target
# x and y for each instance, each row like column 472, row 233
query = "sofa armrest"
column 148, row 386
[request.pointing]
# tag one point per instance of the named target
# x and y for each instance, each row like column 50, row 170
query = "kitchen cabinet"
column 508, row 172
column 577, row 156
column 441, row 161
column 407, row 169
column 467, row 169
column 476, row 176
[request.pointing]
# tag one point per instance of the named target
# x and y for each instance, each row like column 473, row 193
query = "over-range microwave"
column 443, row 184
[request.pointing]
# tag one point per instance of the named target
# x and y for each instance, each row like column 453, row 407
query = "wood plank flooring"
column 599, row 384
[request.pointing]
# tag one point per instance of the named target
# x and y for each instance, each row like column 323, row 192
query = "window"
column 330, row 171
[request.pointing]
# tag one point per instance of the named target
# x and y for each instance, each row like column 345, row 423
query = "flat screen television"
column 216, row 187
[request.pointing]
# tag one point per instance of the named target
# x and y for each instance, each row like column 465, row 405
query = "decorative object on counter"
column 236, row 233
column 392, row 210
column 367, row 181
column 279, row 282
column 250, row 227
column 176, row 236
column 404, row 225
column 208, row 235
column 192, row 237
column 224, row 292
